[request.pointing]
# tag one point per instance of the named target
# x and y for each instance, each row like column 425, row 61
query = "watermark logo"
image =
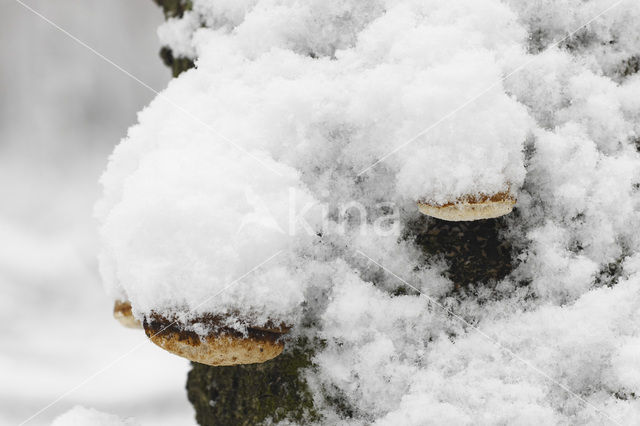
column 298, row 214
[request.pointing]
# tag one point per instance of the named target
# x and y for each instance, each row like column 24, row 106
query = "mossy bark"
column 174, row 9
column 255, row 393
column 177, row 65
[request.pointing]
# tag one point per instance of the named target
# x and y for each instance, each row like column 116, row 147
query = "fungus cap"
column 222, row 346
column 471, row 207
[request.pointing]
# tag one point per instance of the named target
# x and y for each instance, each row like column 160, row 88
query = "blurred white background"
column 62, row 110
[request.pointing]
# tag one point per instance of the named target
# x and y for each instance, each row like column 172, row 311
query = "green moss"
column 174, row 8
column 178, row 65
column 255, row 393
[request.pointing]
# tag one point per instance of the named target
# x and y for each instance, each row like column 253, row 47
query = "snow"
column 321, row 118
column 194, row 184
column 381, row 347
column 455, row 98
column 607, row 40
column 173, row 33
column 81, row 416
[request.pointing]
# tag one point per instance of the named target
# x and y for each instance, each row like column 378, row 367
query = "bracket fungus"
column 471, row 207
column 221, row 345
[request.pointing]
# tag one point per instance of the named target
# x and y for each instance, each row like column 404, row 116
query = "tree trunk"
column 174, row 9
column 251, row 394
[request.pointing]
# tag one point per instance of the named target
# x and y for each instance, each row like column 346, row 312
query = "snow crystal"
column 303, row 124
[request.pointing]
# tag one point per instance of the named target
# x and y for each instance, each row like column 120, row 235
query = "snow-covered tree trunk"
column 249, row 394
column 316, row 92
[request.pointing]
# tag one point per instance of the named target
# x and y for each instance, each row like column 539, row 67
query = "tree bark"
column 252, row 394
column 174, row 9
